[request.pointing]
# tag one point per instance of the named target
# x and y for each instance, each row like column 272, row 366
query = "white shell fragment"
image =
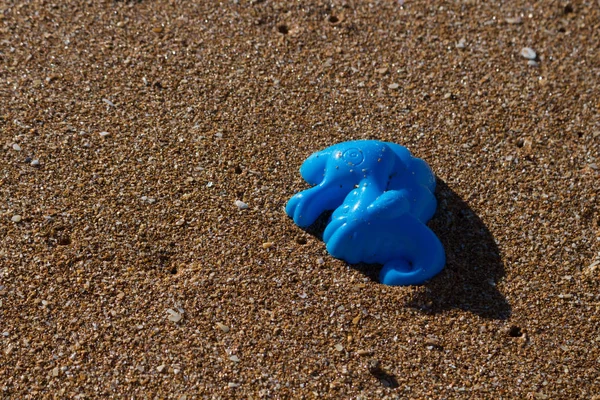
column 528, row 53
column 174, row 315
column 241, row 205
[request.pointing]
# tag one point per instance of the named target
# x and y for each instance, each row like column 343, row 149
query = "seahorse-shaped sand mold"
column 382, row 198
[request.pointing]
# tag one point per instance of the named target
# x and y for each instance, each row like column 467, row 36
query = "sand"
column 129, row 129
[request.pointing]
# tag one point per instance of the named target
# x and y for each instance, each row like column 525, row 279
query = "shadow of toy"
column 473, row 262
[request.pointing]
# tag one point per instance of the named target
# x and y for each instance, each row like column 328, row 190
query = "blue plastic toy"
column 382, row 197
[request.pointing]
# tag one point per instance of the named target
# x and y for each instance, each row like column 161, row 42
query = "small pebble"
column 110, row 103
column 174, row 315
column 16, row 218
column 241, row 205
column 393, row 86
column 266, row 245
column 149, row 200
column 532, row 63
column 104, row 133
column 234, row 358
column 35, row 163
column 223, row 327
column 180, row 222
column 232, row 385
column 462, row 43
column 514, row 20
column 528, row 53
column 339, row 347
column 161, row 368
column 16, row 147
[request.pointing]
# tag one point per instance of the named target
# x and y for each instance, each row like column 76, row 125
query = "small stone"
column 16, row 218
column 209, row 184
column 267, row 245
column 158, row 29
column 104, row 134
column 532, row 63
column 320, row 261
column 180, row 222
column 232, row 385
column 234, row 358
column 55, row 371
column 110, row 103
column 393, row 86
column 592, row 268
column 339, row 347
column 356, row 320
column 16, row 147
column 381, row 71
column 528, row 53
column 161, row 368
column 514, row 20
column 301, row 240
column 241, row 205
column 223, row 327
column 364, row 353
column 375, row 367
column 35, row 163
column 149, row 200
column 174, row 315
column 462, row 43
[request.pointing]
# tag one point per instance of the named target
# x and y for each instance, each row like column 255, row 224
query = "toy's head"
column 351, row 162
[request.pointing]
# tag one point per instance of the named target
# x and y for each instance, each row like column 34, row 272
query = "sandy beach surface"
column 129, row 129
